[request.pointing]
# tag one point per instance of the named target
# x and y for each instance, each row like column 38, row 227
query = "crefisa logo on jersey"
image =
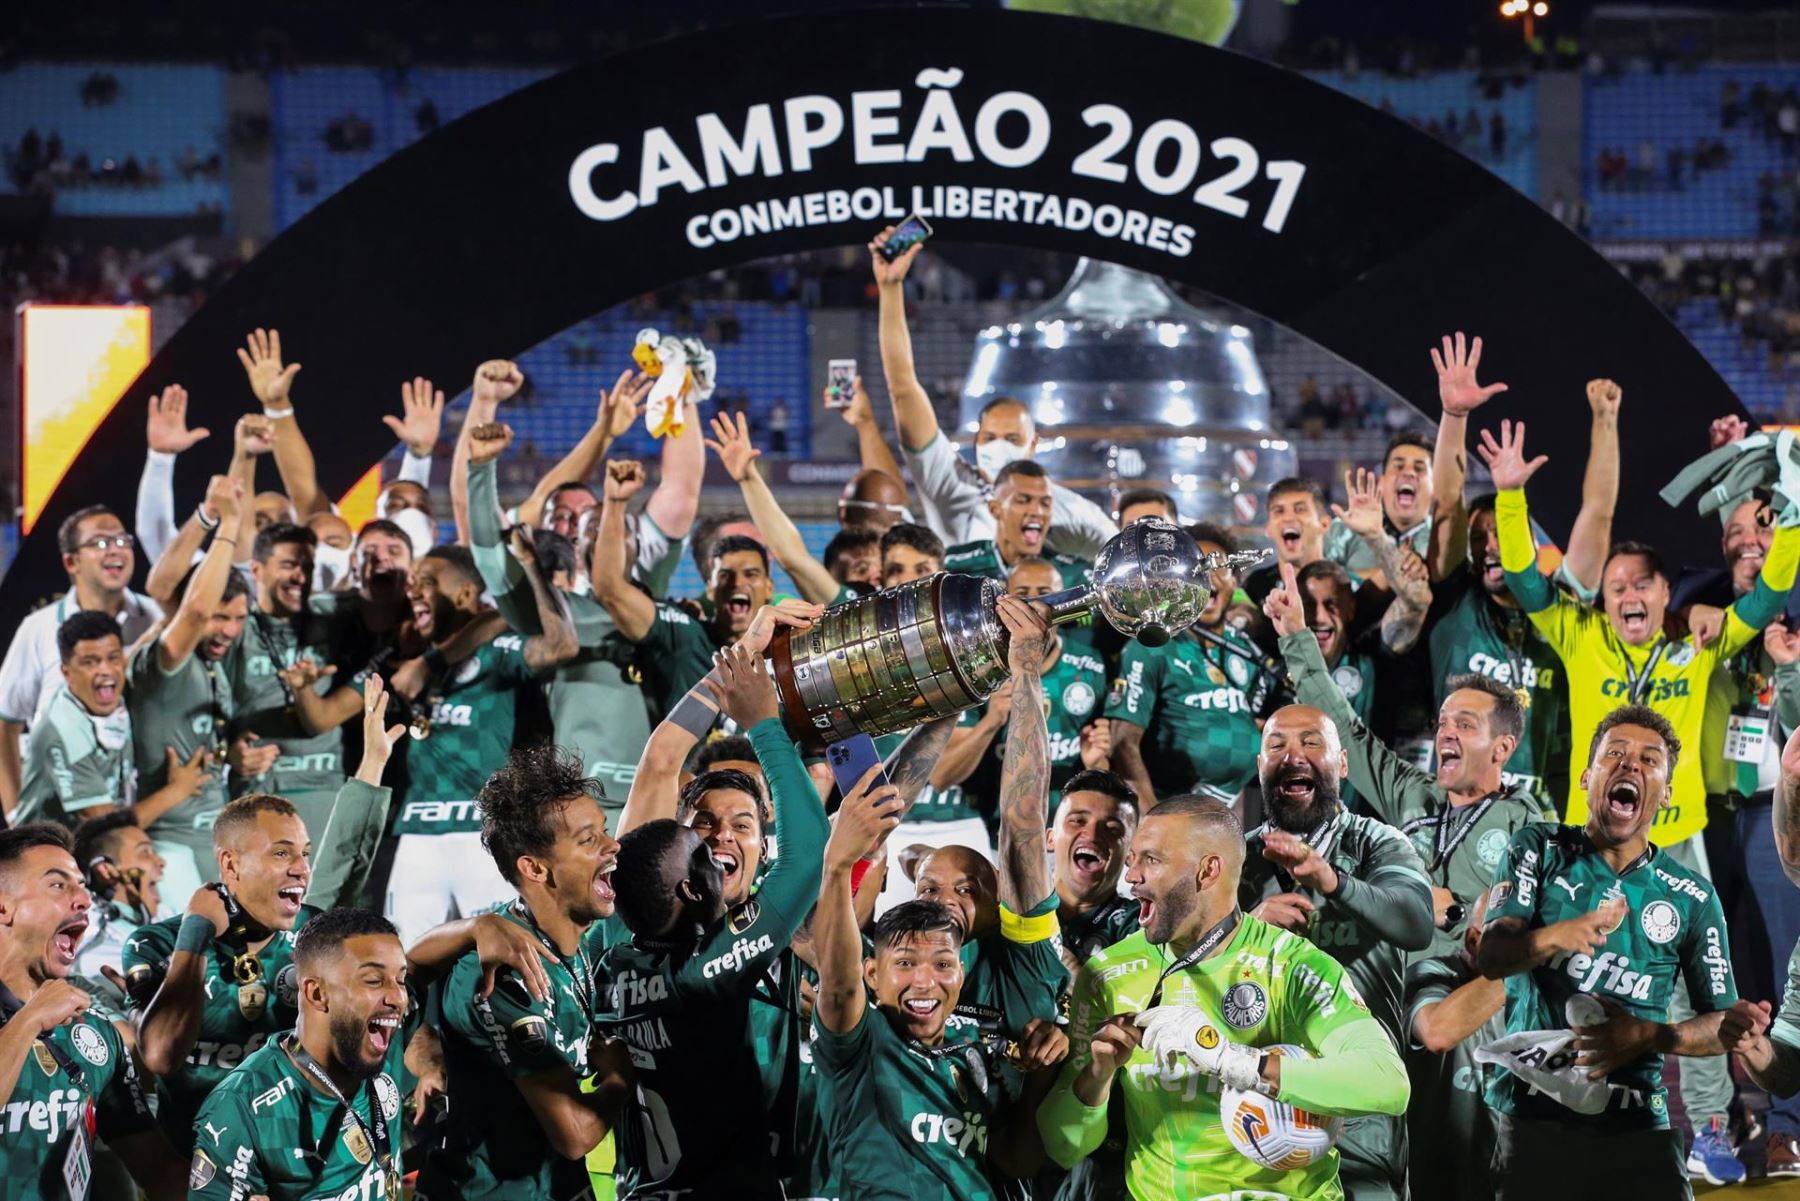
column 1245, row 1004
column 1662, row 922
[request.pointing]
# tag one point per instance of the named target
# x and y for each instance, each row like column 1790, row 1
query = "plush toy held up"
column 684, row 371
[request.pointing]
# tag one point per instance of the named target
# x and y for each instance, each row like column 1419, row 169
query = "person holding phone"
column 953, row 493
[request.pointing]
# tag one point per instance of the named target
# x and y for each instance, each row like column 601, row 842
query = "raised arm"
column 909, row 767
column 225, row 497
column 676, row 501
column 170, row 1024
column 1405, row 616
column 731, row 442
column 555, row 641
column 871, row 446
column 352, row 835
column 1025, row 769
column 167, row 434
column 1518, row 552
column 913, row 415
column 496, row 380
column 1458, row 395
column 632, row 611
column 420, row 424
column 1591, row 536
column 969, row 745
column 273, row 384
column 863, row 822
column 612, row 418
column 1784, row 814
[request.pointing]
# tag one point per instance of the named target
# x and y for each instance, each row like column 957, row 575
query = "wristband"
column 278, row 414
column 195, row 935
column 857, row 871
column 693, row 715
column 206, row 523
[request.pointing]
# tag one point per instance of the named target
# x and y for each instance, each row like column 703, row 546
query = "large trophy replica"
column 934, row 647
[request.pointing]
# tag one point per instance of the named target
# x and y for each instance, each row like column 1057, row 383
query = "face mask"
column 992, row 456
column 418, row 528
column 330, row 566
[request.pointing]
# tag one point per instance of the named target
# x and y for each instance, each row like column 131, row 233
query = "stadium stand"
column 1463, row 109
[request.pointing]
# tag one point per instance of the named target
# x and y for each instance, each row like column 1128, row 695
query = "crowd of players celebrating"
column 349, row 864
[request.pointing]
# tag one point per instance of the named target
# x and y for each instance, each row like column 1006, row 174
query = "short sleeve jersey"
column 308, row 762
column 1673, row 936
column 235, row 1018
column 907, row 1121
column 1269, row 987
column 1469, row 632
column 28, row 673
column 1368, row 850
column 80, row 1063
column 472, row 714
column 1196, row 703
column 1074, row 686
column 597, row 702
column 673, row 657
column 187, row 709
column 494, row 1149
column 266, row 1130
column 76, row 761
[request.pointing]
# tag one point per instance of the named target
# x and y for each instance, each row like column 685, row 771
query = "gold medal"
column 420, row 728
column 246, row 969
column 253, row 1000
column 393, row 1183
column 1524, row 695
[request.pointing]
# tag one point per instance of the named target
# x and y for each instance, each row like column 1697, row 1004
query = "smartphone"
column 851, row 759
column 840, row 377
column 908, row 234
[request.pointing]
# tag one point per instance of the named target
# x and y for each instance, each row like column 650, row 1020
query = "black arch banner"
column 797, row 133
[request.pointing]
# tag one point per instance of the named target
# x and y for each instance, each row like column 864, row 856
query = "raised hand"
column 793, row 613
column 744, row 691
column 1096, row 745
column 1304, row 864
column 523, row 545
column 262, row 364
column 224, row 497
column 1782, row 643
column 1506, row 458
column 731, row 442
column 1706, row 623
column 1028, row 632
column 496, row 381
column 624, row 478
column 253, row 435
column 378, row 737
column 890, row 274
column 500, row 944
column 1603, row 397
column 860, row 411
column 863, row 820
column 1414, row 578
column 488, row 440
column 1365, row 515
column 303, row 673
column 54, row 1003
column 624, row 404
column 1458, row 392
column 421, row 417
column 1288, row 910
column 166, row 428
column 1726, row 429
column 1282, row 606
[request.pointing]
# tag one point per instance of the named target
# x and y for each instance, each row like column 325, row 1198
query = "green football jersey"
column 1084, row 935
column 982, row 558
column 674, row 656
column 75, row 761
column 1073, row 687
column 235, row 1019
column 79, row 1064
column 187, row 708
column 493, row 1148
column 268, row 1131
column 1268, row 987
column 685, row 1013
column 1012, row 974
column 471, row 733
column 309, row 764
column 780, row 1042
column 908, row 1122
column 1674, row 932
column 1448, row 1126
column 1196, row 704
column 1470, row 632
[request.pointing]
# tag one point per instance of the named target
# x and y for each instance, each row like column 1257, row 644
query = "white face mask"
column 419, row 530
column 330, row 567
column 994, row 455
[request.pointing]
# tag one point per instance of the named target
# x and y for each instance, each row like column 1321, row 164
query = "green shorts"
column 1537, row 1161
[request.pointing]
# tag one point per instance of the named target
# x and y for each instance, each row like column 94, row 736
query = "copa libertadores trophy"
column 936, row 646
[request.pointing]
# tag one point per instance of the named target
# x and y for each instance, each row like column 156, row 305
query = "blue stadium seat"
column 1428, row 98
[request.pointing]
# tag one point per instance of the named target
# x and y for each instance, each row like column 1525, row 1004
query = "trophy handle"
column 793, row 708
column 1071, row 604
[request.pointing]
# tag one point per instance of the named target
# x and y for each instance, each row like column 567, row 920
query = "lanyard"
column 1322, row 840
column 220, row 744
column 1209, row 942
column 1445, row 843
column 1637, row 684
column 582, row 972
column 377, row 1138
column 275, row 659
column 9, row 1005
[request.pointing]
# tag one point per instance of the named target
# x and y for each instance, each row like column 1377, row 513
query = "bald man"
column 1351, row 884
column 1186, row 1004
column 873, row 498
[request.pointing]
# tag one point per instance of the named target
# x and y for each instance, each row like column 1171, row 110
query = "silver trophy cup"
column 934, row 647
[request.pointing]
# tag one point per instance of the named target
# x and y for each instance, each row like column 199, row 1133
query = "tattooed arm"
column 909, row 767
column 1785, row 812
column 1408, row 577
column 1025, row 770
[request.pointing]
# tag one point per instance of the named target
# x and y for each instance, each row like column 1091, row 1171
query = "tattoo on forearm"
column 1024, row 789
column 910, row 769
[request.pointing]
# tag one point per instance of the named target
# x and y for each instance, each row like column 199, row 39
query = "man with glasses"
column 99, row 556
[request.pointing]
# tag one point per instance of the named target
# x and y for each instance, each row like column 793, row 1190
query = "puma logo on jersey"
column 1607, row 972
column 1567, row 887
column 1182, row 664
column 966, row 1133
column 214, row 1133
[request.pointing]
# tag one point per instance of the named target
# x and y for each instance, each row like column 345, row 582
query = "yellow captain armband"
column 1027, row 930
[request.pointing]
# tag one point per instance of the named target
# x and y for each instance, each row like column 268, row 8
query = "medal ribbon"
column 378, row 1137
column 1637, row 684
column 1445, row 843
column 1209, row 942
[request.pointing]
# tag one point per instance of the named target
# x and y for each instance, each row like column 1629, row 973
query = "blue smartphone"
column 908, row 234
column 851, row 759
